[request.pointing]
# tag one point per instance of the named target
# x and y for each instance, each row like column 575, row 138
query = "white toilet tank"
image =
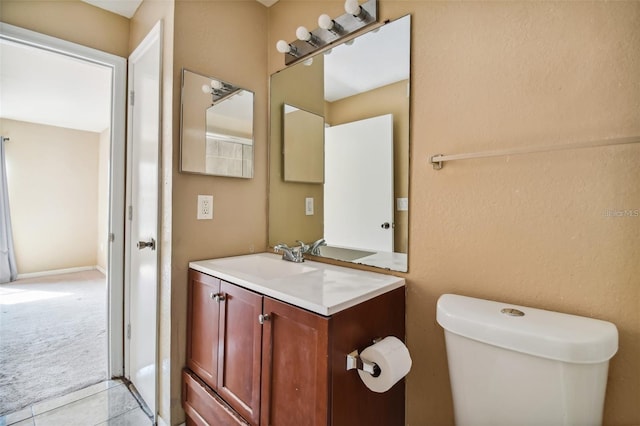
column 515, row 366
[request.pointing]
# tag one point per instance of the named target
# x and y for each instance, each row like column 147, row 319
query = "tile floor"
column 106, row 403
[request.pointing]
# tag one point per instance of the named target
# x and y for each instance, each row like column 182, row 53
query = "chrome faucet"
column 292, row 254
column 315, row 247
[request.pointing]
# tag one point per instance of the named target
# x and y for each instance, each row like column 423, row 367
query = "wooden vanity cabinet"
column 291, row 369
column 295, row 368
column 224, row 341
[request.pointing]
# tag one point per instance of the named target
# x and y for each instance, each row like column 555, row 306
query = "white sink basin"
column 318, row 287
column 264, row 268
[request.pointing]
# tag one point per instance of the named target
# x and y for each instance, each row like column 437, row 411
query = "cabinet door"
column 295, row 374
column 202, row 326
column 239, row 350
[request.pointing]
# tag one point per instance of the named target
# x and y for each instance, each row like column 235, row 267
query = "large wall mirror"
column 361, row 90
column 216, row 127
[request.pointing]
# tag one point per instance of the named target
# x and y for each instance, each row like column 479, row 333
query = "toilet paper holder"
column 354, row 361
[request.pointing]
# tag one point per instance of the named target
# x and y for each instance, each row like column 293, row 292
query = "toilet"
column 517, row 366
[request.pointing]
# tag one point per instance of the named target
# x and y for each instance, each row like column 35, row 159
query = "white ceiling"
column 373, row 60
column 39, row 86
column 125, row 8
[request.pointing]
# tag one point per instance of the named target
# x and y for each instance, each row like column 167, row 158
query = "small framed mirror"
column 303, row 135
column 216, row 127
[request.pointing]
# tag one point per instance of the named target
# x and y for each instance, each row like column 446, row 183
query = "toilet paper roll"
column 393, row 358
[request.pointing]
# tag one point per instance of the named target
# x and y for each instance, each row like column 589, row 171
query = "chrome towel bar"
column 439, row 159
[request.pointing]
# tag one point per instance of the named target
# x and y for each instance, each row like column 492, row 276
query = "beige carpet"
column 52, row 337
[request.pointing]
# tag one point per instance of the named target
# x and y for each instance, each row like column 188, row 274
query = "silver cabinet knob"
column 385, row 225
column 144, row 244
column 262, row 318
column 218, row 297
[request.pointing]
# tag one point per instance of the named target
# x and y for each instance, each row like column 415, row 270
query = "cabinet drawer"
column 202, row 406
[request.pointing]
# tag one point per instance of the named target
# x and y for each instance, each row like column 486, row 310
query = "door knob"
column 144, row 244
column 385, row 225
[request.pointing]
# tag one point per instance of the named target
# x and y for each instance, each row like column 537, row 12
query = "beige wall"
column 53, row 181
column 392, row 99
column 224, row 39
column 71, row 20
column 524, row 229
column 287, row 219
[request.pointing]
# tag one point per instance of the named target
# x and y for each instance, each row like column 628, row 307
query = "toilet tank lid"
column 538, row 332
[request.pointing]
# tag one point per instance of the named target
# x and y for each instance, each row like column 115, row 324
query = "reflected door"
column 144, row 139
column 358, row 189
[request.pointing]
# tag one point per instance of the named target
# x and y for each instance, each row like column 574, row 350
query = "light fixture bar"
column 347, row 24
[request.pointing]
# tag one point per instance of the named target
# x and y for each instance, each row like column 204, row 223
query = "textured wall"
column 225, row 40
column 71, row 20
column 53, row 193
column 530, row 229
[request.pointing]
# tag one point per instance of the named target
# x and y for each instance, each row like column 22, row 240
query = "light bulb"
column 216, row 84
column 325, row 22
column 206, row 88
column 283, row 46
column 308, row 62
column 303, row 34
column 352, row 7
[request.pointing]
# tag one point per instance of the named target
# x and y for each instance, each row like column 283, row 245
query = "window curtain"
column 8, row 269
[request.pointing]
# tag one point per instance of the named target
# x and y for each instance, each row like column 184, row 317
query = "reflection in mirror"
column 216, row 127
column 303, row 145
column 362, row 90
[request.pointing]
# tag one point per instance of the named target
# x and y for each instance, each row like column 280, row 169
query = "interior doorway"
column 115, row 176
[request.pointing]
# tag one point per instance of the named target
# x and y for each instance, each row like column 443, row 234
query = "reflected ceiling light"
column 330, row 31
column 219, row 90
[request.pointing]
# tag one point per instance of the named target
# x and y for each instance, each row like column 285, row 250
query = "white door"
column 143, row 190
column 358, row 188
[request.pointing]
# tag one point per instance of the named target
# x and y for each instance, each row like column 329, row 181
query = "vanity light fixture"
column 352, row 7
column 330, row 31
column 303, row 34
column 219, row 90
column 284, row 47
column 326, row 23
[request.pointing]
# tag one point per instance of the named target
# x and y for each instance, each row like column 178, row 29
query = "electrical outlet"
column 205, row 207
column 308, row 206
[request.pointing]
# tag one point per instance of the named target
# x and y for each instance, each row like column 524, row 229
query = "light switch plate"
column 205, row 207
column 308, row 206
column 402, row 204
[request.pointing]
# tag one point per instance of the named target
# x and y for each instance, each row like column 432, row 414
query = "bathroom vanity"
column 268, row 339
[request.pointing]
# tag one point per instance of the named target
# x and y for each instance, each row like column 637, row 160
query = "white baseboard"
column 101, row 269
column 160, row 421
column 56, row 272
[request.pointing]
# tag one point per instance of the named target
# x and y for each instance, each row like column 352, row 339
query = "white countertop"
column 318, row 287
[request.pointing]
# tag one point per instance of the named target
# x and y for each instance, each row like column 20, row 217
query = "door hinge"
column 128, row 331
column 131, row 97
column 130, row 213
column 112, row 237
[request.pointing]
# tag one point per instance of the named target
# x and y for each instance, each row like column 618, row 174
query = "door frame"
column 115, row 273
column 155, row 34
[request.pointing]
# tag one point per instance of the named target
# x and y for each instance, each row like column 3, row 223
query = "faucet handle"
column 304, row 248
